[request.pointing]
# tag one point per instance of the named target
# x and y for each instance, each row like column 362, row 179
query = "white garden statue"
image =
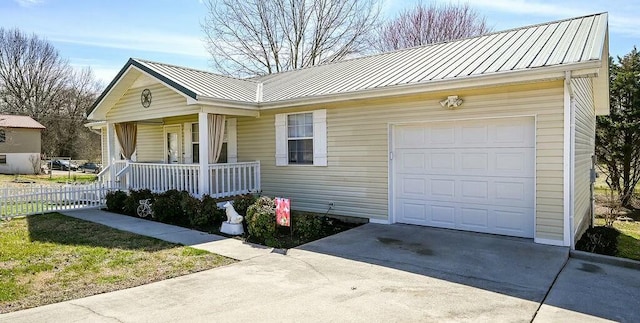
column 233, row 225
column 232, row 216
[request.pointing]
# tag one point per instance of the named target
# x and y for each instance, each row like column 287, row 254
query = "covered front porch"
column 196, row 153
column 219, row 180
column 165, row 127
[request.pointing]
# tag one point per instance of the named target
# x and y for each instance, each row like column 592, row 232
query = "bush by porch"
column 182, row 209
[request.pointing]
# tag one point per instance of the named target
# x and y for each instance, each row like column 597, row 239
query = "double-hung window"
column 3, row 135
column 301, row 138
column 195, row 142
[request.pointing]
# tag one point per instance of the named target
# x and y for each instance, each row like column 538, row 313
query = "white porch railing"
column 234, row 179
column 18, row 201
column 224, row 179
column 163, row 177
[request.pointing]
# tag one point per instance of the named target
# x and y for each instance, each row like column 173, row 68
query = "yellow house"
column 490, row 134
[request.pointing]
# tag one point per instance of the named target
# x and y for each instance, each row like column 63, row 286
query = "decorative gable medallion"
column 145, row 98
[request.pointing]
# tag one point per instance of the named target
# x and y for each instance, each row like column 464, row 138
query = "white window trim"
column 319, row 138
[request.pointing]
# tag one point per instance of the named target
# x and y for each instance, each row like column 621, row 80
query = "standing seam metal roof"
column 569, row 41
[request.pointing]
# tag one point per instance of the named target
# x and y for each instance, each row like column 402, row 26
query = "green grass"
column 46, row 179
column 629, row 239
column 51, row 258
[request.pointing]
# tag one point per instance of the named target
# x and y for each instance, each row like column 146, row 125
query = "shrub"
column 242, row 202
column 308, row 227
column 261, row 222
column 167, row 207
column 601, row 240
column 210, row 209
column 116, row 201
column 192, row 211
column 132, row 201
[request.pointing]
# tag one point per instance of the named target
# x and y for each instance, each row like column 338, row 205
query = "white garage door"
column 469, row 175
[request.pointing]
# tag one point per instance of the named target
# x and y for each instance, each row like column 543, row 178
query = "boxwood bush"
column 261, row 222
column 210, row 214
column 167, row 208
column 132, row 201
column 116, row 201
column 602, row 240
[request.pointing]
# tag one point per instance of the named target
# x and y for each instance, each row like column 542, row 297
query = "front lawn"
column 51, row 258
column 47, row 179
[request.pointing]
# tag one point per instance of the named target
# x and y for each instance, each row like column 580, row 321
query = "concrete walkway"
column 228, row 247
column 374, row 273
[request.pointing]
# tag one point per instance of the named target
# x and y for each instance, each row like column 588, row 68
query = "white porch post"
column 111, row 149
column 203, row 135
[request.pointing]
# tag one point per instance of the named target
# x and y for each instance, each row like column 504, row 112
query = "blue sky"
column 104, row 34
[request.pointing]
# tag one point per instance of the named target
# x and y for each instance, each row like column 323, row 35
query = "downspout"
column 569, row 149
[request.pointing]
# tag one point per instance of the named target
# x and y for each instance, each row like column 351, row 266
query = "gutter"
column 569, row 161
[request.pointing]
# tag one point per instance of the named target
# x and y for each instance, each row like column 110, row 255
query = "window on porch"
column 195, row 145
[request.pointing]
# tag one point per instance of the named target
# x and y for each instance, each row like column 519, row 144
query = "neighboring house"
column 490, row 134
column 20, row 144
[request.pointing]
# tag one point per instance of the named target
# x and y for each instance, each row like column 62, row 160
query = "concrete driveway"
column 396, row 273
column 376, row 273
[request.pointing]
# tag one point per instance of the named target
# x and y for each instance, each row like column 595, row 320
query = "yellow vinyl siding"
column 584, row 149
column 356, row 178
column 150, row 144
column 165, row 103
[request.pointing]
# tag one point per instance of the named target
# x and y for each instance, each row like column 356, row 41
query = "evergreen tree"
column 618, row 134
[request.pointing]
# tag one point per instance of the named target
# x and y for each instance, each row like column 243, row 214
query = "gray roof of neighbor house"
column 14, row 121
column 567, row 43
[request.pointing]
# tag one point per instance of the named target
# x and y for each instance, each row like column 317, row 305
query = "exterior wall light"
column 451, row 102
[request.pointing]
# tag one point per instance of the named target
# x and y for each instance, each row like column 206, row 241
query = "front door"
column 173, row 148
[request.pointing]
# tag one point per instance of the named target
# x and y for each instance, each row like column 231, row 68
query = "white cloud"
column 621, row 20
column 28, row 3
column 537, row 8
column 139, row 41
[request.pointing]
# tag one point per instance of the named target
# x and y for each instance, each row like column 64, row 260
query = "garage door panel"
column 474, row 218
column 471, row 175
column 505, row 220
column 514, row 191
column 510, row 132
column 443, row 215
column 505, row 162
column 414, row 211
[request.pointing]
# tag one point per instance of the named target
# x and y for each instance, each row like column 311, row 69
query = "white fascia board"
column 203, row 100
column 96, row 124
column 230, row 111
column 557, row 72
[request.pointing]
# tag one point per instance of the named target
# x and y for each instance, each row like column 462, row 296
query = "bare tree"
column 35, row 81
column 32, row 74
column 428, row 24
column 258, row 37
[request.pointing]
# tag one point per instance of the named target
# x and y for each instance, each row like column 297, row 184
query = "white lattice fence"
column 19, row 201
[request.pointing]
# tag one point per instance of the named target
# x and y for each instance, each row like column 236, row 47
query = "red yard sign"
column 283, row 211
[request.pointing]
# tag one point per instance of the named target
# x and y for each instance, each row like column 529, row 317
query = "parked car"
column 60, row 164
column 90, row 168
